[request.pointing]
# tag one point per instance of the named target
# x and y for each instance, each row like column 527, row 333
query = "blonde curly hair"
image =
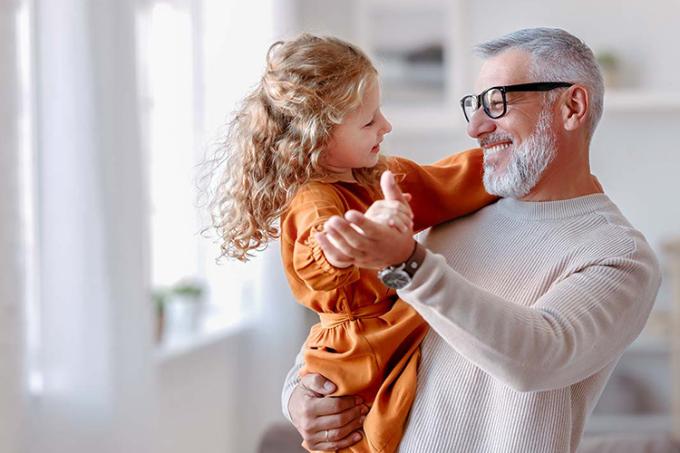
column 277, row 138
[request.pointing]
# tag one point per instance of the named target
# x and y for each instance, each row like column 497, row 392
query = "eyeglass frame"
column 533, row 86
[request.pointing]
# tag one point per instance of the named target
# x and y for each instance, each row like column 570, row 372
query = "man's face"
column 520, row 145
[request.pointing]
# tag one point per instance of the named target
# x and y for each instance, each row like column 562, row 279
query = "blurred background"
column 119, row 333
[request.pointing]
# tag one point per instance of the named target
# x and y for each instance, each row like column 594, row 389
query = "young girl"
column 305, row 146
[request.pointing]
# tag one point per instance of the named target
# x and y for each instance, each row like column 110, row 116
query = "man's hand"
column 364, row 242
column 324, row 422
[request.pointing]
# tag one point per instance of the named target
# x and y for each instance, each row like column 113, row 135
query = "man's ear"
column 575, row 104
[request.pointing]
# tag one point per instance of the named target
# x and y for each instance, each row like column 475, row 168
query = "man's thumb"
column 389, row 187
column 317, row 384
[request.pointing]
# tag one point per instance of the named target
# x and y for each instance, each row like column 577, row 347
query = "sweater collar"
column 560, row 209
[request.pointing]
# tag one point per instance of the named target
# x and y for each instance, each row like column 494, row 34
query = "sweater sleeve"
column 581, row 324
column 306, row 216
column 449, row 188
column 292, row 380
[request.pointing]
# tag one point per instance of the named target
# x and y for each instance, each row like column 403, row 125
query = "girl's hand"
column 394, row 210
column 337, row 258
column 393, row 213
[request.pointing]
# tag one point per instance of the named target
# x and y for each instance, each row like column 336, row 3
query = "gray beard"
column 527, row 163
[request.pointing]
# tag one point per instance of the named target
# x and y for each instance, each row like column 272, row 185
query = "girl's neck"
column 345, row 176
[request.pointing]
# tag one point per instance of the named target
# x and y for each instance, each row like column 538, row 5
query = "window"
column 188, row 54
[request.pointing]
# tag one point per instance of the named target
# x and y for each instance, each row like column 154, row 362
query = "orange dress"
column 368, row 340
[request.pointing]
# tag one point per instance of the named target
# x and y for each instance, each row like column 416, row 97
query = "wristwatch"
column 399, row 275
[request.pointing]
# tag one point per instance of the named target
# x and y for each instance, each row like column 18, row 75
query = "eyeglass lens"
column 494, row 102
column 470, row 106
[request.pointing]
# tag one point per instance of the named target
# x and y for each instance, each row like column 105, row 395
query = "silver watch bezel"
column 394, row 276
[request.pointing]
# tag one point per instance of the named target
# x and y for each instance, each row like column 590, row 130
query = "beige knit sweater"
column 531, row 306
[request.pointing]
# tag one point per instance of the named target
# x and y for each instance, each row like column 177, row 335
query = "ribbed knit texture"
column 529, row 318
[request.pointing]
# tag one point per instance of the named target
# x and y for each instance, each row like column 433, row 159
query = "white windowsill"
column 214, row 327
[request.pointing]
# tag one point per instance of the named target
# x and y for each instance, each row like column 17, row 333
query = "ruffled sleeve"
column 449, row 188
column 310, row 209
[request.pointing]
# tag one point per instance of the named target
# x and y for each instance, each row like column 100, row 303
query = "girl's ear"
column 574, row 107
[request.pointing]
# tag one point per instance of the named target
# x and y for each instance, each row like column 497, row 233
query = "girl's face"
column 355, row 143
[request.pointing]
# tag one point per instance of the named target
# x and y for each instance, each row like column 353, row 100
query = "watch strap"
column 415, row 261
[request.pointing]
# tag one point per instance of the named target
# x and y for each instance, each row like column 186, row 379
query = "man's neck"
column 562, row 181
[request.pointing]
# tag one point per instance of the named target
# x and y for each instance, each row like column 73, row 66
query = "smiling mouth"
column 495, row 148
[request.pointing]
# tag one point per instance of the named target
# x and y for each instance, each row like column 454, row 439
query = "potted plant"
column 159, row 297
column 179, row 308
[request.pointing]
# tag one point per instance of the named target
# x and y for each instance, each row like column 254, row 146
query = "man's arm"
column 325, row 423
column 577, row 327
column 292, row 381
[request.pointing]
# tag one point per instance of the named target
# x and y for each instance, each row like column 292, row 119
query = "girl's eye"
column 370, row 123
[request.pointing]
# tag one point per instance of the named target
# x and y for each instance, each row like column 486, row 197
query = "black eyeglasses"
column 493, row 99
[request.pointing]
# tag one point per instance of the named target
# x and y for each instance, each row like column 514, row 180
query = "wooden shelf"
column 634, row 101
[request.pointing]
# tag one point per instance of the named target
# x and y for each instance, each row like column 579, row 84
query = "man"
column 532, row 300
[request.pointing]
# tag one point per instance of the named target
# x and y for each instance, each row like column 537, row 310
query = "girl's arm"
column 300, row 250
column 449, row 188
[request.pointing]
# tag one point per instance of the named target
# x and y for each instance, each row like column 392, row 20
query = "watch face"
column 394, row 278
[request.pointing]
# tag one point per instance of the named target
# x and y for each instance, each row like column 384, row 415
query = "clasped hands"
column 380, row 237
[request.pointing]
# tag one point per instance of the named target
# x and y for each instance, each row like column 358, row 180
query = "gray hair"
column 557, row 56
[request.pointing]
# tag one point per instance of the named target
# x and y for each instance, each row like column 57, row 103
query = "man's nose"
column 480, row 124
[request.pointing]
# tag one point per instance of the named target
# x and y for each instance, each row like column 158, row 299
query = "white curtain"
column 91, row 365
column 78, row 371
column 13, row 395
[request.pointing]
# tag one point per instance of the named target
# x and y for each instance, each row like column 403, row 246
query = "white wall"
column 197, row 407
column 637, row 158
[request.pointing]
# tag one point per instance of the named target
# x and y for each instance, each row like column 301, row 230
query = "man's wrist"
column 415, row 261
column 400, row 275
column 408, row 257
